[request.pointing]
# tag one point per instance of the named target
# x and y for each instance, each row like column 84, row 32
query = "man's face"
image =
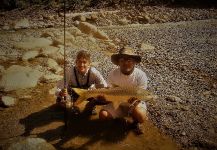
column 82, row 64
column 127, row 65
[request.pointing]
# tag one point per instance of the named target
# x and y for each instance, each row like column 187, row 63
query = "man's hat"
column 125, row 51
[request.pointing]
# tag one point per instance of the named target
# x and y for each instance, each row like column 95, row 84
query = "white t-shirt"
column 137, row 78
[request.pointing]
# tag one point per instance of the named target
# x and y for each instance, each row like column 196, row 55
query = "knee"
column 104, row 115
column 140, row 116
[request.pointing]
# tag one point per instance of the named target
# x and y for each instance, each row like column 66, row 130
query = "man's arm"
column 143, row 80
column 99, row 80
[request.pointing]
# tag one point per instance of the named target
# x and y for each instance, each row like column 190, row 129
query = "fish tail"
column 81, row 93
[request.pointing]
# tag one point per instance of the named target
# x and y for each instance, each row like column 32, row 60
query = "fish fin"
column 81, row 93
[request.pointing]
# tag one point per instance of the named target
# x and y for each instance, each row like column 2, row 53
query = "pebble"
column 173, row 98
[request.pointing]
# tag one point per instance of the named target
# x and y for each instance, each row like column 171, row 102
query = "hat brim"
column 115, row 58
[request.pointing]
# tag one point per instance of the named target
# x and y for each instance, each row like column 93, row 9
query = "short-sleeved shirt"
column 137, row 78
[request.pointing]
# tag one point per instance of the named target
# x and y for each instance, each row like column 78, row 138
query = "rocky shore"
column 178, row 48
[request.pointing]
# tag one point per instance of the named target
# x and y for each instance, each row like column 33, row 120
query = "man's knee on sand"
column 138, row 114
column 105, row 115
column 139, row 110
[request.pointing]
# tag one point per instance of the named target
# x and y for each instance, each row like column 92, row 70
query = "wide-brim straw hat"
column 123, row 52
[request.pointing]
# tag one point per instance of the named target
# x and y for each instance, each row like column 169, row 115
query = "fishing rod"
column 69, row 106
column 64, row 67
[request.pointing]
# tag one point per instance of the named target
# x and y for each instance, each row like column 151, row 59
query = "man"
column 80, row 76
column 127, row 75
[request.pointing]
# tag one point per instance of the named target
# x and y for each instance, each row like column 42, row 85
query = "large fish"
column 115, row 95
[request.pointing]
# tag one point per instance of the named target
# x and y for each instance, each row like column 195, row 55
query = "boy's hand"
column 63, row 93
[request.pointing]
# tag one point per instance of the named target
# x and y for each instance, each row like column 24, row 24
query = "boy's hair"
column 83, row 54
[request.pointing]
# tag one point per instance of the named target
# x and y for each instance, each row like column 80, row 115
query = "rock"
column 19, row 77
column 112, row 47
column 212, row 40
column 102, row 13
column 214, row 85
column 76, row 23
column 53, row 91
column 87, row 28
column 3, row 58
column 90, row 29
column 48, row 17
column 101, row 35
column 51, row 78
column 59, row 57
column 47, row 34
column 31, row 144
column 2, row 69
column 69, row 38
column 81, row 18
column 6, row 27
column 214, row 94
column 52, row 64
column 183, row 133
column 30, row 55
column 23, row 23
column 146, row 47
column 31, row 43
column 184, row 108
column 172, row 98
column 207, row 93
column 109, row 22
column 75, row 32
column 8, row 101
column 123, row 21
column 94, row 17
column 49, row 50
column 25, row 97
column 144, row 19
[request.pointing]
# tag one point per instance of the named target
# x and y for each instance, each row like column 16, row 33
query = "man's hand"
column 132, row 99
column 99, row 100
column 63, row 93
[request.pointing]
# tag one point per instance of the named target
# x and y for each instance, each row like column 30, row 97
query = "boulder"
column 101, row 35
column 52, row 64
column 123, row 21
column 90, row 29
column 2, row 69
column 23, row 23
column 87, row 28
column 19, row 77
column 8, row 101
column 30, row 55
column 47, row 34
column 48, row 50
column 6, row 27
column 31, row 144
column 48, row 78
column 53, row 91
column 59, row 57
column 69, row 38
column 31, row 43
column 94, row 17
column 80, row 18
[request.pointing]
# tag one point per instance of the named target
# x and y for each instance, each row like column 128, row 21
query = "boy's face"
column 82, row 64
column 127, row 65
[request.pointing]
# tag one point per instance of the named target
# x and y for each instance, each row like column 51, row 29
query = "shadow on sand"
column 79, row 126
